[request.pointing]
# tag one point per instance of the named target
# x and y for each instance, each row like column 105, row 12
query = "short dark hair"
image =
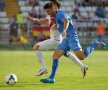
column 56, row 2
column 48, row 5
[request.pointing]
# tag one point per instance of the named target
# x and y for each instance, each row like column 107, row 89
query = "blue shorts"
column 71, row 43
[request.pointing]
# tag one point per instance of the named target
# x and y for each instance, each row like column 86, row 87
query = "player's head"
column 56, row 3
column 50, row 9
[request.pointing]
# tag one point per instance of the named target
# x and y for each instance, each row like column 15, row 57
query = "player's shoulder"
column 59, row 13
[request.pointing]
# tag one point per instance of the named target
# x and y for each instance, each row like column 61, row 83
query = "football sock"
column 75, row 59
column 54, row 68
column 89, row 49
column 40, row 59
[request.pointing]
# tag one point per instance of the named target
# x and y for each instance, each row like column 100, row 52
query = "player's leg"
column 83, row 54
column 75, row 45
column 39, row 55
column 78, row 62
column 57, row 54
column 74, row 59
column 79, row 53
column 44, row 45
column 43, row 69
column 92, row 47
column 55, row 64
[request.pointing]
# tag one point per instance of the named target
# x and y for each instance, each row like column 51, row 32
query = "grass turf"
column 69, row 77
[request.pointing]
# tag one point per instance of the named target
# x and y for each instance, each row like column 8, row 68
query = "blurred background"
column 90, row 18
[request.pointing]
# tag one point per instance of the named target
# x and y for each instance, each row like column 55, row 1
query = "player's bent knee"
column 35, row 47
column 80, row 55
column 55, row 56
column 81, row 58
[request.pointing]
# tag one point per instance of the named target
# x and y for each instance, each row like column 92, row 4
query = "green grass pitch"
column 69, row 77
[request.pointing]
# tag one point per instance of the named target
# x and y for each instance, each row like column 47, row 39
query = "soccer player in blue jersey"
column 70, row 40
column 53, row 42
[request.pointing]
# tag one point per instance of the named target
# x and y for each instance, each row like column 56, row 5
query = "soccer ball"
column 11, row 79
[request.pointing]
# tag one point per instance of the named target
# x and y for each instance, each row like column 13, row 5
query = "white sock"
column 75, row 60
column 40, row 59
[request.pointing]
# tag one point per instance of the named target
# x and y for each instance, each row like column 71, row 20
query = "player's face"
column 50, row 11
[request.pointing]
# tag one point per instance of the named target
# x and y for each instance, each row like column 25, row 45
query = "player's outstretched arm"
column 41, row 21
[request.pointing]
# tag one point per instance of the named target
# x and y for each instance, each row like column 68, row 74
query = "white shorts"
column 48, row 44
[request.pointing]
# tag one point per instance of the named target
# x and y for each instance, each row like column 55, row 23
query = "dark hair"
column 48, row 5
column 56, row 2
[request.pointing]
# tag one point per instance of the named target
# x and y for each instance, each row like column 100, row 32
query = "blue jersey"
column 60, row 15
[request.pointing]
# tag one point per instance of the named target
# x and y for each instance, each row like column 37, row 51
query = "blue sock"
column 89, row 49
column 54, row 68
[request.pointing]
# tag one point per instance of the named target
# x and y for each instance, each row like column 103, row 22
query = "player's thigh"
column 79, row 53
column 63, row 47
column 74, row 44
column 58, row 53
column 47, row 44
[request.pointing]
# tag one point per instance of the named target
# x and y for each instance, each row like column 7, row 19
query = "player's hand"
column 64, row 34
column 29, row 18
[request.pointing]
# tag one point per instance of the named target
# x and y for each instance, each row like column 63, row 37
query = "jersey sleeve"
column 61, row 16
